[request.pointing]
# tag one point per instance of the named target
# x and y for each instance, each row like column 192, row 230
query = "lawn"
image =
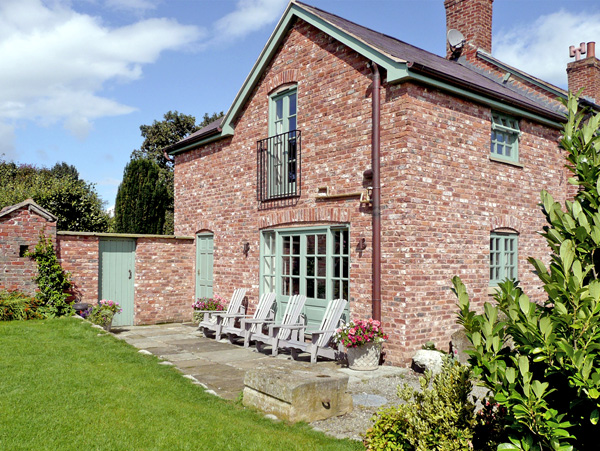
column 65, row 385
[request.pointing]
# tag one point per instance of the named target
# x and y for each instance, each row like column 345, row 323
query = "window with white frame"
column 503, row 257
column 505, row 138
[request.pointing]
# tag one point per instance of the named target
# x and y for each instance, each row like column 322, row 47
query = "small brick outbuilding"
column 20, row 228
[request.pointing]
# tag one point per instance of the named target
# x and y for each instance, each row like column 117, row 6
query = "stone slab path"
column 219, row 365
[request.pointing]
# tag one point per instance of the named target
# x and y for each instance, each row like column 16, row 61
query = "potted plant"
column 216, row 303
column 362, row 340
column 104, row 312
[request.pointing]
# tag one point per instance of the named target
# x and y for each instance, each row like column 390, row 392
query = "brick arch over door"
column 305, row 215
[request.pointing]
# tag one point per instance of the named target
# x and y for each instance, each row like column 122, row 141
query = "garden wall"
column 164, row 265
column 163, row 276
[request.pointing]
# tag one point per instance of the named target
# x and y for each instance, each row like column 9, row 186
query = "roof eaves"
column 486, row 96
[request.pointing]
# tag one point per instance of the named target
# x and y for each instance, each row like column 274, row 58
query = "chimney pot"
column 591, row 49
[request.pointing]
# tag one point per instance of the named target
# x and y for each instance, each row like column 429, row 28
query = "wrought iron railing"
column 278, row 166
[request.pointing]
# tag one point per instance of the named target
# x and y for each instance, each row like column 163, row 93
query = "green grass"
column 65, row 385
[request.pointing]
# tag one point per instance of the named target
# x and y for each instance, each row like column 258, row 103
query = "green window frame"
column 505, row 138
column 281, row 167
column 311, row 261
column 504, row 257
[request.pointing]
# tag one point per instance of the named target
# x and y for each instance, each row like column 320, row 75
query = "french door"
column 314, row 262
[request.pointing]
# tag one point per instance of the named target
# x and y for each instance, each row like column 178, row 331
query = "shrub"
column 103, row 312
column 440, row 417
column 52, row 281
column 18, row 306
column 548, row 379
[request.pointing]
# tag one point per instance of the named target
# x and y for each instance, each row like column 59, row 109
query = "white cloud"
column 542, row 48
column 131, row 5
column 56, row 61
column 248, row 16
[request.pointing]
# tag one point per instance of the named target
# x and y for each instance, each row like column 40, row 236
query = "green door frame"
column 116, row 276
column 204, row 265
column 315, row 306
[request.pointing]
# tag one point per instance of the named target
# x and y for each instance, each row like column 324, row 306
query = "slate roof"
column 418, row 61
column 432, row 64
column 204, row 132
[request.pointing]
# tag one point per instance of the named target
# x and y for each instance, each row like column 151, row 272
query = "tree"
column 173, row 128
column 142, row 199
column 59, row 190
column 542, row 361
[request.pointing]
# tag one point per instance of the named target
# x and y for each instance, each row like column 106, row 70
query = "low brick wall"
column 164, row 280
column 164, row 273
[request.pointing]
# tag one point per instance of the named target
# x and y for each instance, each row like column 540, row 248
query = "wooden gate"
column 116, row 278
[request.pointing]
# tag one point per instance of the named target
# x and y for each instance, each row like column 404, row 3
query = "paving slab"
column 220, row 365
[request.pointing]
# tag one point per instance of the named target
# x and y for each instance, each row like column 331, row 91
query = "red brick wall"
column 441, row 194
column 164, row 280
column 78, row 255
column 585, row 74
column 473, row 18
column 164, row 274
column 20, row 228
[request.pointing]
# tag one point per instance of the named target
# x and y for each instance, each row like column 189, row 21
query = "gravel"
column 368, row 395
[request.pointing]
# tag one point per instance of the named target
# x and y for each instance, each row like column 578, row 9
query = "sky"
column 79, row 77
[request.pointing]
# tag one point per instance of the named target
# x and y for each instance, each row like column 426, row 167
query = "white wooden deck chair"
column 319, row 344
column 264, row 312
column 214, row 320
column 291, row 319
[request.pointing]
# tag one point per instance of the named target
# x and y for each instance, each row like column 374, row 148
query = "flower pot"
column 364, row 358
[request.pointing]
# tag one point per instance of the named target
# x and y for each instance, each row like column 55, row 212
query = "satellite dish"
column 456, row 40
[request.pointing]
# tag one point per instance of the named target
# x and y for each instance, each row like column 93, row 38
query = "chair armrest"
column 291, row 326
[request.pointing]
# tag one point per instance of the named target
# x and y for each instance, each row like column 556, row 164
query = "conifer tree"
column 142, row 199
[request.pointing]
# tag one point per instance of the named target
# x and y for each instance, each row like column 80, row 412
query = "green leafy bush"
column 52, row 281
column 439, row 417
column 18, row 306
column 542, row 362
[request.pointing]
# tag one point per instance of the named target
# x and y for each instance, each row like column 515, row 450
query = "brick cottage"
column 354, row 165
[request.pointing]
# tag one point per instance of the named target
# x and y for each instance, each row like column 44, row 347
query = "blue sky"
column 78, row 77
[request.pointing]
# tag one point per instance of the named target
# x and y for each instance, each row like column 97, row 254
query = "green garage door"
column 116, row 278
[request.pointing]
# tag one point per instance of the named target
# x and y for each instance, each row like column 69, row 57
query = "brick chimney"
column 584, row 73
column 473, row 18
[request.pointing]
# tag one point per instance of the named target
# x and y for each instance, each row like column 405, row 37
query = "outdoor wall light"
column 362, row 244
column 246, row 248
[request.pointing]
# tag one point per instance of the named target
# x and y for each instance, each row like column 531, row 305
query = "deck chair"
column 319, row 344
column 264, row 312
column 291, row 319
column 214, row 320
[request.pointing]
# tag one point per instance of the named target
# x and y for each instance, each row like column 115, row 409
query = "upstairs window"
column 279, row 154
column 503, row 257
column 505, row 138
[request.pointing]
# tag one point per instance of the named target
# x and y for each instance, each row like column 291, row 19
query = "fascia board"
column 209, row 139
